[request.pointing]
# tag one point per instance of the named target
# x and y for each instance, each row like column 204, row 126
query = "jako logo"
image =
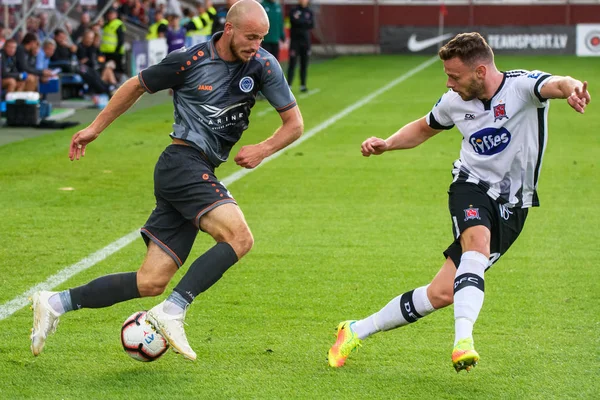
column 205, row 87
column 490, row 141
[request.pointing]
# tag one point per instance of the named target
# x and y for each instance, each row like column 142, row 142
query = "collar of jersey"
column 487, row 104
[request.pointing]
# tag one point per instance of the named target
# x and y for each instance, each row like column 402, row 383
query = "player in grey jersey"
column 502, row 117
column 215, row 85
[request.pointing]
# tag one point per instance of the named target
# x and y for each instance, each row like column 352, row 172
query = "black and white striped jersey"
column 504, row 138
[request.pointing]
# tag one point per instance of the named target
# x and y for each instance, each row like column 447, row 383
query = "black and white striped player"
column 503, row 119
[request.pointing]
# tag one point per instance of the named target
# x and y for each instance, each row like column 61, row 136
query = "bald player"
column 214, row 88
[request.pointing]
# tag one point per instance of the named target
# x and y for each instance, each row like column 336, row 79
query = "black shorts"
column 185, row 188
column 470, row 206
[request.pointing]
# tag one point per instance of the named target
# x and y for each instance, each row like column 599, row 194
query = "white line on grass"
column 9, row 308
column 309, row 93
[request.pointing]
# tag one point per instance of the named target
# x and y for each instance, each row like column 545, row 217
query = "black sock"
column 206, row 270
column 105, row 291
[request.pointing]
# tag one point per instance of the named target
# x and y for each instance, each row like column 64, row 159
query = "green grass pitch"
column 337, row 236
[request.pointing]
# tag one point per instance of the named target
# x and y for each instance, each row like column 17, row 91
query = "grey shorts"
column 186, row 188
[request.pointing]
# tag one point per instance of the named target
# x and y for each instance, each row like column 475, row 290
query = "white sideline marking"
column 309, row 93
column 302, row 96
column 12, row 306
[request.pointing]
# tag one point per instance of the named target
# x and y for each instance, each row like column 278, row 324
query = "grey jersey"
column 504, row 138
column 213, row 97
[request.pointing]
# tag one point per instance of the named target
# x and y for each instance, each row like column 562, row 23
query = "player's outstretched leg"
column 101, row 292
column 45, row 320
column 402, row 310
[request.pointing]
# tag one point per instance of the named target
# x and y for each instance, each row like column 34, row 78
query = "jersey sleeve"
column 439, row 117
column 275, row 88
column 167, row 74
column 529, row 85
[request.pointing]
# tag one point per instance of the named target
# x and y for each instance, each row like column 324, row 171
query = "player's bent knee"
column 149, row 285
column 242, row 242
column 440, row 298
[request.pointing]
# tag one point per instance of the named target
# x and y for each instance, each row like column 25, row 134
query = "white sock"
column 402, row 310
column 175, row 304
column 56, row 303
column 468, row 293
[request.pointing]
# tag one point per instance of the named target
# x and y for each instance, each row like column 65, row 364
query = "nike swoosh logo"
column 415, row 45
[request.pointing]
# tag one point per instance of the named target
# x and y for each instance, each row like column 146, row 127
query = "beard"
column 473, row 91
column 242, row 55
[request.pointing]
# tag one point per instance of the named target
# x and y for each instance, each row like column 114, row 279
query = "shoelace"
column 347, row 347
column 52, row 328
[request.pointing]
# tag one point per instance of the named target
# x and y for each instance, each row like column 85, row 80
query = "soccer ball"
column 140, row 340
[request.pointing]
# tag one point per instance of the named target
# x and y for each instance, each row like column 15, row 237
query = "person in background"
column 84, row 25
column 187, row 16
column 302, row 21
column 14, row 80
column 207, row 13
column 113, row 39
column 276, row 33
column 27, row 58
column 64, row 52
column 45, row 53
column 175, row 34
column 220, row 17
column 158, row 28
column 87, row 56
column 42, row 26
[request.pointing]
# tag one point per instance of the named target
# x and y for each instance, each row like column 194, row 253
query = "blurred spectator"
column 42, row 26
column 33, row 24
column 276, row 32
column 45, row 53
column 175, row 34
column 302, row 21
column 113, row 38
column 87, row 56
column 187, row 16
column 27, row 59
column 64, row 52
column 158, row 28
column 97, row 43
column 58, row 18
column 221, row 14
column 203, row 21
column 133, row 11
column 84, row 25
column 14, row 80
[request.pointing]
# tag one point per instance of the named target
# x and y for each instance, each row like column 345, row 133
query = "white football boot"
column 45, row 320
column 171, row 327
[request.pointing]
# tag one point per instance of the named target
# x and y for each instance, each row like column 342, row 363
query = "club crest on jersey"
column 471, row 213
column 500, row 112
column 490, row 141
column 246, row 84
